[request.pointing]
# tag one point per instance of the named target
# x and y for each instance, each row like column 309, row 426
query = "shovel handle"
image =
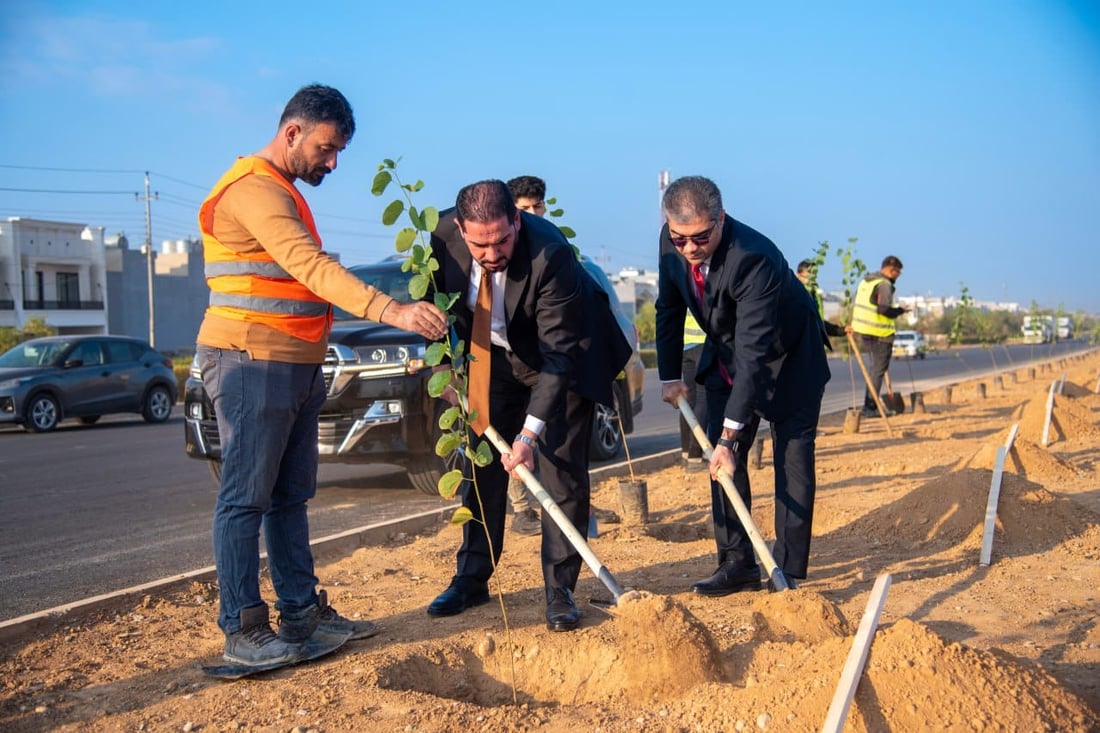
column 779, row 580
column 551, row 507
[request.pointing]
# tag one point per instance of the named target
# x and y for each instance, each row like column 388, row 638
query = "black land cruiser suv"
column 378, row 409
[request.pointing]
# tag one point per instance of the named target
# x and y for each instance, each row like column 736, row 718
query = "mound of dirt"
column 665, row 650
column 1027, row 459
column 797, row 615
column 950, row 511
column 1069, row 421
column 990, row 690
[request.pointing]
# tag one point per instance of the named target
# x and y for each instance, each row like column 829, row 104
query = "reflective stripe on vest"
column 245, row 267
column 251, row 286
column 865, row 316
column 693, row 333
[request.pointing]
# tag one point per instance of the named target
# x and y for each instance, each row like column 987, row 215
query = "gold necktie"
column 478, row 369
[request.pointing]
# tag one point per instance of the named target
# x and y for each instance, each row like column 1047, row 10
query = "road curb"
column 329, row 547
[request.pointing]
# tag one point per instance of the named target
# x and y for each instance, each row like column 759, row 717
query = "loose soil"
column 1014, row 646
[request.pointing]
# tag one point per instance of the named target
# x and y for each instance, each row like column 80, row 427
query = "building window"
column 68, row 290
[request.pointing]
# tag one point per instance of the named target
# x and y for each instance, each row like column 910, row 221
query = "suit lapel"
column 518, row 277
column 714, row 273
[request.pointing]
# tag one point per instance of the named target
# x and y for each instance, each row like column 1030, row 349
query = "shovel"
column 555, row 512
column 778, row 579
column 893, row 400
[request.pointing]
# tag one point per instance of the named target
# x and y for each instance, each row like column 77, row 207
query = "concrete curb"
column 336, row 545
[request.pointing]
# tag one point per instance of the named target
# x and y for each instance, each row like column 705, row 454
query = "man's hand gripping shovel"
column 778, row 579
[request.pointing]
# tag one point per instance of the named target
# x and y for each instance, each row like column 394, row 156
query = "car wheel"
column 90, row 419
column 43, row 414
column 215, row 471
column 607, row 436
column 424, row 474
column 158, row 404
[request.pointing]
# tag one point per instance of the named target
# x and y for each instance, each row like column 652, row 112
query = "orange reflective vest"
column 252, row 286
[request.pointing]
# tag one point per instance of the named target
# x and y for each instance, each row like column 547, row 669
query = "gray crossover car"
column 46, row 380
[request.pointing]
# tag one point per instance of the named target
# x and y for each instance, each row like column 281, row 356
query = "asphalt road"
column 87, row 510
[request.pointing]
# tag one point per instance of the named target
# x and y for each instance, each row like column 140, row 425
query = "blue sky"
column 963, row 137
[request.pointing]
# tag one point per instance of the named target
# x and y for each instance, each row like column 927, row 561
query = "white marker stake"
column 857, row 657
column 1050, row 414
column 991, row 506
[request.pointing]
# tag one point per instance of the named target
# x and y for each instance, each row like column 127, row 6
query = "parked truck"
column 1038, row 329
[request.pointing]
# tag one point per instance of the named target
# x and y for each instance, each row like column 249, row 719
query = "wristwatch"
column 526, row 439
column 725, row 443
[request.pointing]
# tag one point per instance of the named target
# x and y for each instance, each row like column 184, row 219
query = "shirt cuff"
column 733, row 424
column 534, row 425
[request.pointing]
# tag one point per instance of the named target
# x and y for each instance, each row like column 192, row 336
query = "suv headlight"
column 14, row 383
column 403, row 357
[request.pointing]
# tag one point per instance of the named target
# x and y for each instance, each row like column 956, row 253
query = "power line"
column 101, row 170
column 57, row 190
column 69, row 170
column 177, row 180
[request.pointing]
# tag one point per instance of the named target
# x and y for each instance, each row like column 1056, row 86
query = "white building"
column 54, row 271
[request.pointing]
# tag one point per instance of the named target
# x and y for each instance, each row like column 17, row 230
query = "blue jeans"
column 267, row 415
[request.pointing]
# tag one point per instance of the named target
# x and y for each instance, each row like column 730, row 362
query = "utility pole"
column 663, row 179
column 149, row 254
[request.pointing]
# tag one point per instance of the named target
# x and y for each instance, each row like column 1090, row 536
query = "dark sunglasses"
column 699, row 240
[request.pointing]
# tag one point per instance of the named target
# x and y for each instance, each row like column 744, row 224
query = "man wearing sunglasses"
column 764, row 357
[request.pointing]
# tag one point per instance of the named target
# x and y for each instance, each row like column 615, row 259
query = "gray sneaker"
column 256, row 645
column 297, row 626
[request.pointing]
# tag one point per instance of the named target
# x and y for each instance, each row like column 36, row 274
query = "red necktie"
column 700, row 290
column 700, row 282
column 478, row 371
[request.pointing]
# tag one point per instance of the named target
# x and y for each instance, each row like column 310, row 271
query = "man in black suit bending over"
column 764, row 357
column 555, row 351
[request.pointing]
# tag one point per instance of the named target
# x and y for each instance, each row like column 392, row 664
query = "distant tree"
column 961, row 314
column 33, row 328
column 646, row 322
column 1078, row 324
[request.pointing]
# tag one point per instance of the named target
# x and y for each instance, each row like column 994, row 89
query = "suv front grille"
column 328, row 368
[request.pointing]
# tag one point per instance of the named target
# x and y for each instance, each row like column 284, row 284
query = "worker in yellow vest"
column 694, row 337
column 873, row 316
column 260, row 348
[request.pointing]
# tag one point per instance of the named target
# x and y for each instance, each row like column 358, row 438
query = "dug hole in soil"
column 1014, row 646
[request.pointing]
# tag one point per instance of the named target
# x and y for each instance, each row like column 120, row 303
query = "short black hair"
column 531, row 187
column 484, row 201
column 805, row 266
column 891, row 261
column 318, row 103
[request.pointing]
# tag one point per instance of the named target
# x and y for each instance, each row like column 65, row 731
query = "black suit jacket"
column 560, row 322
column 760, row 322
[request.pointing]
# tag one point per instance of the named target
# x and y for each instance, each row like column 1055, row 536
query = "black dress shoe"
column 729, row 578
column 460, row 595
column 562, row 613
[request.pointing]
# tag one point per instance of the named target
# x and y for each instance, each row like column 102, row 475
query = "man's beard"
column 312, row 176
